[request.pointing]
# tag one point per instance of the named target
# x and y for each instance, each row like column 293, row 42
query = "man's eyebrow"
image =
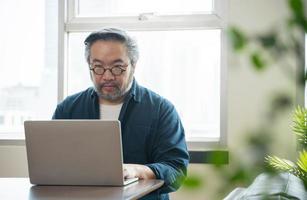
column 114, row 61
column 117, row 60
column 97, row 60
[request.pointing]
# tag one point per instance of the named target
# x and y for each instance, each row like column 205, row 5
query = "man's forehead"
column 108, row 47
column 109, row 43
column 119, row 60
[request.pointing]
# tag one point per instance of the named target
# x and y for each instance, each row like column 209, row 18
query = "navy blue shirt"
column 152, row 133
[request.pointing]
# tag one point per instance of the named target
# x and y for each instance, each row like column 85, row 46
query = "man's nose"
column 108, row 75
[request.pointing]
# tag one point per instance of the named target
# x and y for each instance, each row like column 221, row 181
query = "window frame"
column 69, row 22
column 11, row 136
column 145, row 21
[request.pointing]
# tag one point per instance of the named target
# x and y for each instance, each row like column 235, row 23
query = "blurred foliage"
column 302, row 161
column 298, row 15
column 193, row 182
column 258, row 61
column 237, row 37
column 218, row 158
column 300, row 126
column 299, row 168
column 279, row 103
column 265, row 50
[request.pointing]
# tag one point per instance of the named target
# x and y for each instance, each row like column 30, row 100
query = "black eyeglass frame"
column 110, row 69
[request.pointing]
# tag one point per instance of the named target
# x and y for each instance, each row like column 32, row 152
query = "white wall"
column 247, row 98
column 249, row 92
column 248, row 95
column 13, row 161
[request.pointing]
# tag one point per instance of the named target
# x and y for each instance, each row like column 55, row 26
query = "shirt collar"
column 134, row 91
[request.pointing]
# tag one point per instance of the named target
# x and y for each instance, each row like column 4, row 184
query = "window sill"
column 14, row 139
column 13, row 142
column 205, row 151
column 217, row 157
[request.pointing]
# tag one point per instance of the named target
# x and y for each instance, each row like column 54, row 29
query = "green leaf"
column 302, row 161
column 300, row 124
column 287, row 166
column 297, row 8
column 280, row 164
column 237, row 38
column 268, row 40
column 218, row 158
column 192, row 182
column 239, row 175
column 281, row 101
column 257, row 61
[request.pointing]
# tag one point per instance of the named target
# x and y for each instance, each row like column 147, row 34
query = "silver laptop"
column 75, row 152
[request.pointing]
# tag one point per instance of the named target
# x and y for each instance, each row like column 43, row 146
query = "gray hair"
column 113, row 34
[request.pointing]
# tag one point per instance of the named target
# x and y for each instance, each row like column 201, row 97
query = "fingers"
column 125, row 173
column 129, row 171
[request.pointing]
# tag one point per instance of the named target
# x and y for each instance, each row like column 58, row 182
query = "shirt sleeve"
column 59, row 112
column 170, row 154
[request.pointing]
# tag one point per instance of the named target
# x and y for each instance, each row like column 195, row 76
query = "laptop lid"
column 74, row 152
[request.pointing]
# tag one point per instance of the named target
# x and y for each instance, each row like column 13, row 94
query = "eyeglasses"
column 116, row 70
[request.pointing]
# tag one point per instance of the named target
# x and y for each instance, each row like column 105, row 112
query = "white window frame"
column 12, row 137
column 69, row 22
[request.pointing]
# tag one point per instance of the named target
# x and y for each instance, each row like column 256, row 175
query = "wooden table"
column 20, row 188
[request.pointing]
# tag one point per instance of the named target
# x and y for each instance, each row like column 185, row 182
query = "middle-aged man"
column 153, row 139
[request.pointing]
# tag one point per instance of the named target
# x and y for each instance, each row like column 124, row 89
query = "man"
column 153, row 140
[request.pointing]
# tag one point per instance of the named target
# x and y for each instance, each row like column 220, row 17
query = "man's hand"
column 138, row 171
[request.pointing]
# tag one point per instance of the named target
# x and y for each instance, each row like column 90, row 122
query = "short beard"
column 119, row 93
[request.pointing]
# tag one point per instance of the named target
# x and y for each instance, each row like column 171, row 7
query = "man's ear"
column 133, row 68
column 90, row 72
column 134, row 65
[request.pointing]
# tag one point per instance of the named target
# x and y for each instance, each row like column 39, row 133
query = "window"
column 106, row 8
column 28, row 60
column 176, row 73
column 1, row 119
column 181, row 42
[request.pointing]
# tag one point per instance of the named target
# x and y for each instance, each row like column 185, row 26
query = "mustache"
column 108, row 84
